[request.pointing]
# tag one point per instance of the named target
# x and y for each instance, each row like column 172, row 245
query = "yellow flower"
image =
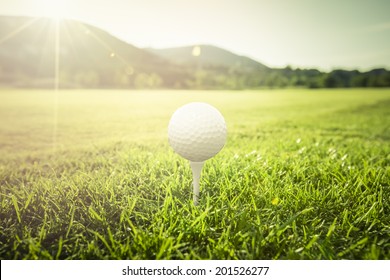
column 275, row 201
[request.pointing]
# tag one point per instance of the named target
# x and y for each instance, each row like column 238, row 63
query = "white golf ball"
column 197, row 131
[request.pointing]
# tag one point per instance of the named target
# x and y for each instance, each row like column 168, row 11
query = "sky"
column 331, row 34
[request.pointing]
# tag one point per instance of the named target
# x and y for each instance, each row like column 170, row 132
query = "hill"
column 206, row 55
column 90, row 57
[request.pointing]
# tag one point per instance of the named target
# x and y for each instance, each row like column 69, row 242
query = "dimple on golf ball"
column 197, row 131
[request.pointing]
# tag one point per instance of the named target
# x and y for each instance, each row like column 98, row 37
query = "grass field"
column 90, row 175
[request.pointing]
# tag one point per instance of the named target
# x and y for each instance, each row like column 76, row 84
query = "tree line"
column 211, row 77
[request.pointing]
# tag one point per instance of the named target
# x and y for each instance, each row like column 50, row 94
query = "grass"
column 304, row 175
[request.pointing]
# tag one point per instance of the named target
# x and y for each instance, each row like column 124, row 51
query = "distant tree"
column 123, row 80
column 330, row 81
column 86, row 79
column 378, row 78
column 155, row 81
column 360, row 80
column 144, row 80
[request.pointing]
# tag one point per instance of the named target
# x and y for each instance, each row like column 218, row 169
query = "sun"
column 56, row 9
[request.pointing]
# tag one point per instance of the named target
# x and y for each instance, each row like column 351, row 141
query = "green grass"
column 304, row 175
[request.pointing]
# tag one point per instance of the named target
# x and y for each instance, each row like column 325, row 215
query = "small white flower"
column 236, row 156
column 344, row 157
column 298, row 140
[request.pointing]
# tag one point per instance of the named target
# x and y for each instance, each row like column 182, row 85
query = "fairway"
column 89, row 174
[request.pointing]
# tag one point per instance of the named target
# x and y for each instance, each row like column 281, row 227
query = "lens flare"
column 196, row 51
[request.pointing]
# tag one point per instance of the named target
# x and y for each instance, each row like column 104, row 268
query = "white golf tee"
column 196, row 170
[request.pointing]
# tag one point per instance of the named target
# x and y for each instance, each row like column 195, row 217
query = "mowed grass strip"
column 304, row 175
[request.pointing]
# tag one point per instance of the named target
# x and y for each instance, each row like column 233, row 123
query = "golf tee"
column 196, row 170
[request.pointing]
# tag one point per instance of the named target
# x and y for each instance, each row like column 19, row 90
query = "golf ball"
column 197, row 131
